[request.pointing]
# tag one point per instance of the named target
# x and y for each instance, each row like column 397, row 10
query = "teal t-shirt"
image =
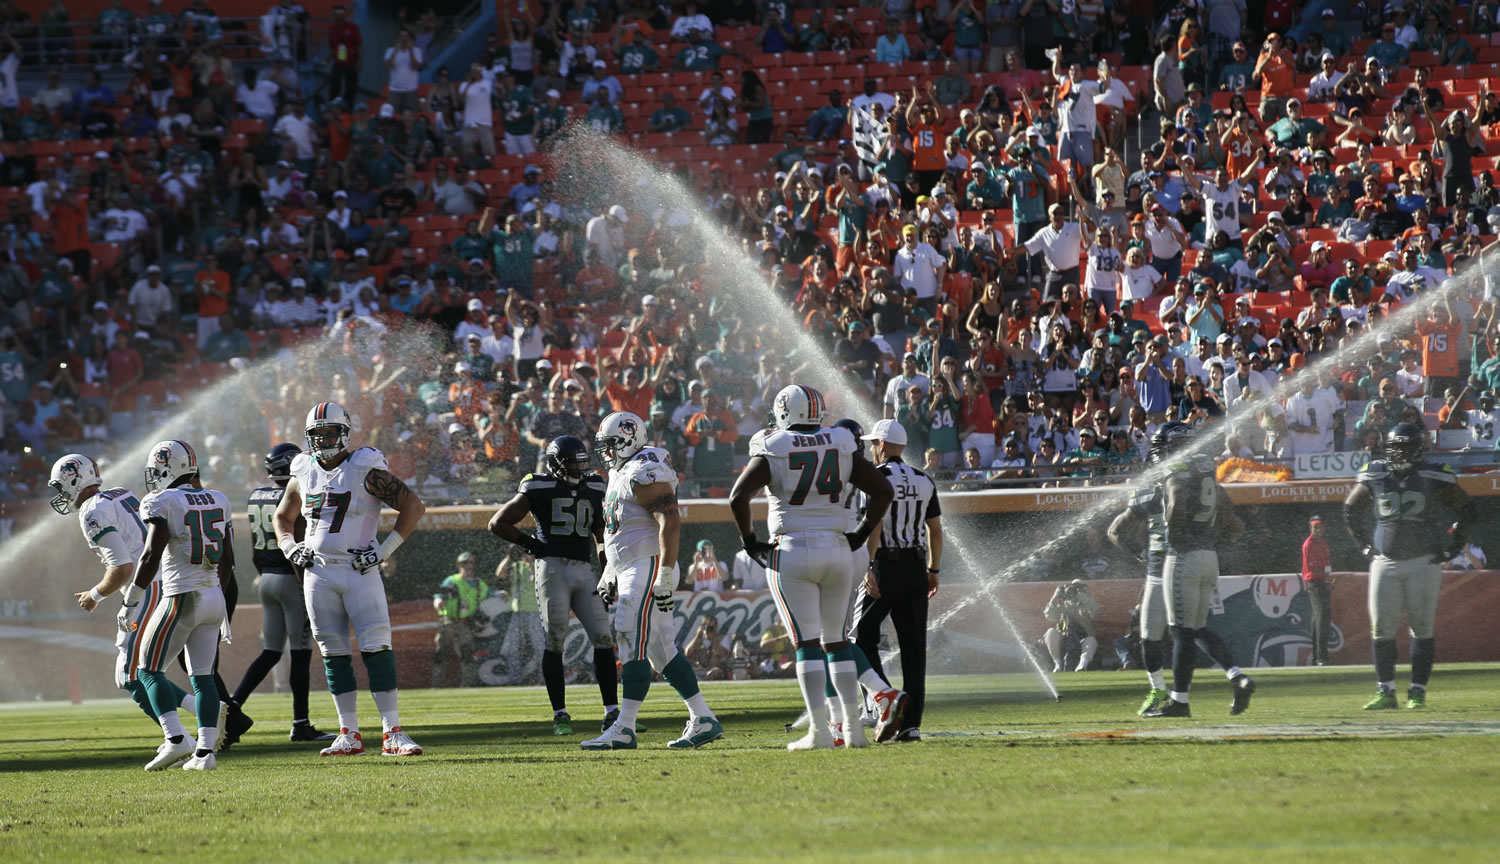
column 13, row 382
column 514, row 255
column 516, row 108
column 943, row 435
column 1028, row 200
column 637, row 58
column 607, row 120
column 671, row 120
column 854, row 213
column 1235, row 76
column 703, row 56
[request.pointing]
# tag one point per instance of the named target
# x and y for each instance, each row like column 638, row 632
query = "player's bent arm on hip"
column 1128, row 532
column 1230, row 525
column 1357, row 509
column 1179, row 505
column 503, row 524
column 868, row 479
column 934, row 553
column 755, row 477
column 1458, row 502
column 146, row 568
column 288, row 510
column 390, row 491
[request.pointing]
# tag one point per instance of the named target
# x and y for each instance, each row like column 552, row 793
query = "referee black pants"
column 902, row 578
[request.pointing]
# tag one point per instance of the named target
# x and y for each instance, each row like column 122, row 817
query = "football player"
column 641, row 533
column 1143, row 524
column 339, row 493
column 1193, row 504
column 111, row 524
column 189, row 541
column 806, row 469
column 283, row 614
column 567, row 504
column 1397, row 513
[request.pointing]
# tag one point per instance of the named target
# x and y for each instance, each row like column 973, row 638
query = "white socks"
column 207, row 735
column 1388, row 685
column 872, row 681
column 385, row 703
column 1158, row 679
column 346, row 706
column 812, row 677
column 846, row 685
column 1179, row 697
column 189, row 703
column 697, row 706
column 629, row 709
column 171, row 725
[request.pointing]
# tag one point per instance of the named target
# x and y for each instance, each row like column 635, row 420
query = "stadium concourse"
column 184, row 196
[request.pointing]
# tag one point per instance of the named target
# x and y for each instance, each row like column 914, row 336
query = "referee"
column 903, row 574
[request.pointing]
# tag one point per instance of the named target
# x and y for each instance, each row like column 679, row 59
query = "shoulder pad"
column 368, row 457
column 536, row 483
column 647, row 471
column 1374, row 470
column 758, row 443
column 843, row 438
column 1439, row 472
column 154, row 505
column 594, row 481
column 301, row 464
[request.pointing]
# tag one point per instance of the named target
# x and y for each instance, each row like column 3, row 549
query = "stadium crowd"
column 1036, row 231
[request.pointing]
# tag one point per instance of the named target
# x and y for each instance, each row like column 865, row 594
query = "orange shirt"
column 927, row 147
column 210, row 306
column 70, row 227
column 637, row 403
column 1240, row 153
column 1439, row 348
column 1276, row 77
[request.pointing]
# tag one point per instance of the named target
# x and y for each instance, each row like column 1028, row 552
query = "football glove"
column 666, row 602
column 757, row 549
column 662, row 588
column 122, row 618
column 366, row 558
column 857, row 538
column 536, row 547
column 300, row 556
column 607, row 589
column 1367, row 551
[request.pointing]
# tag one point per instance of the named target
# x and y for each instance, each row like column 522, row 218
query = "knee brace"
column 340, row 671
column 381, row 667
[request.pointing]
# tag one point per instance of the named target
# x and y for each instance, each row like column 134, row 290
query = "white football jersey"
column 340, row 514
column 114, row 512
column 809, row 477
column 630, row 533
column 196, row 521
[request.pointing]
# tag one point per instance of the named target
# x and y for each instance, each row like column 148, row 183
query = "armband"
column 287, row 543
column 390, row 544
column 933, row 570
column 95, row 595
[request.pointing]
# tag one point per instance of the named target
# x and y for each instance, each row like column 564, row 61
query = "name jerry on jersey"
column 821, row 439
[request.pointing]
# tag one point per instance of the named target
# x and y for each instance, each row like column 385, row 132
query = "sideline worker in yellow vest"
column 457, row 604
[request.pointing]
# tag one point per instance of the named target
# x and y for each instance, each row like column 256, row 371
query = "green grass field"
column 1006, row 774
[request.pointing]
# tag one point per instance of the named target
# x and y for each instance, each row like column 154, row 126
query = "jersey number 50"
column 572, row 516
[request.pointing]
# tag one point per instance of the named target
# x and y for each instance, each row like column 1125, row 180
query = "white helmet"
column 71, row 475
column 620, row 436
column 323, row 419
column 169, row 460
column 796, row 405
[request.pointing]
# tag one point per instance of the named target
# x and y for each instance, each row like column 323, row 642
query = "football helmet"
column 71, row 475
column 167, row 462
column 1172, row 437
column 279, row 461
column 798, row 407
column 1404, row 447
column 620, row 436
column 567, row 458
column 858, row 430
column 327, row 430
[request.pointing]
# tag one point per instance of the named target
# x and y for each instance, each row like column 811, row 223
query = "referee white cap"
column 888, row 431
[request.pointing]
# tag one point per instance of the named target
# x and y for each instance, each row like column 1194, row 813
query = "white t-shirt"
column 1138, row 283
column 1310, row 411
column 1105, row 265
column 10, row 94
column 1482, row 428
column 149, row 303
column 1114, row 96
column 1163, row 242
column 917, row 268
column 1061, row 247
column 299, row 129
column 1223, row 207
column 477, row 110
column 1078, row 111
column 404, row 73
column 260, row 100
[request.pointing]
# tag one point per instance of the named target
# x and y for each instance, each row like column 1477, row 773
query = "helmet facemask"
column 327, row 440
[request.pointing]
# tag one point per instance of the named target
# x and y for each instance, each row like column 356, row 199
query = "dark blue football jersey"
column 264, row 551
column 565, row 513
column 1410, row 521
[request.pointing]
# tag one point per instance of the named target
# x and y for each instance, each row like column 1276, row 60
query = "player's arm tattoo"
column 664, row 504
column 386, row 487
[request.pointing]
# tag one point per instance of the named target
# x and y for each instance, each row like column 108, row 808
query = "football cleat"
column 907, row 736
column 1383, row 699
column 1153, row 701
column 889, row 706
column 868, row 720
column 223, row 726
column 1244, row 687
column 800, row 723
column 398, row 743
column 1170, row 708
column 616, row 737
column 309, row 732
column 815, row 739
column 235, row 724
column 562, row 724
column 837, row 731
column 854, row 736
column 206, row 762
column 169, row 754
column 346, row 744
column 612, row 716
column 699, row 731
column 1416, row 698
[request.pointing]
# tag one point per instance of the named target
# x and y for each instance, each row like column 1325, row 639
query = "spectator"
column 1059, row 242
column 403, row 62
column 711, row 434
column 227, row 342
column 344, row 45
column 708, row 573
column 479, row 123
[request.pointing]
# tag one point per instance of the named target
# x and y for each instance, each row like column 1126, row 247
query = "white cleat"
column 837, row 731
column 616, row 737
column 800, row 723
column 206, row 762
column 854, row 736
column 815, row 739
column 889, row 706
column 220, row 723
column 347, row 744
column 169, row 754
column 398, row 743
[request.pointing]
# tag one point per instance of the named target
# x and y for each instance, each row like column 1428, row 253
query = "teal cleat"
column 699, row 731
column 614, row 738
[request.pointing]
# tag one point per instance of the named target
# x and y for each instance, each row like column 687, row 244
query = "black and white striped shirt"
column 915, row 502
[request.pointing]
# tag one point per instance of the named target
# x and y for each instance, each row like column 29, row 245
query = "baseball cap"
column 619, row 213
column 648, row 300
column 1224, row 337
column 553, row 94
column 461, row 367
column 856, row 325
column 910, row 355
column 361, row 252
column 387, row 111
column 476, row 305
column 908, row 230
column 1319, row 245
column 465, row 555
column 1140, row 336
column 888, row 431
